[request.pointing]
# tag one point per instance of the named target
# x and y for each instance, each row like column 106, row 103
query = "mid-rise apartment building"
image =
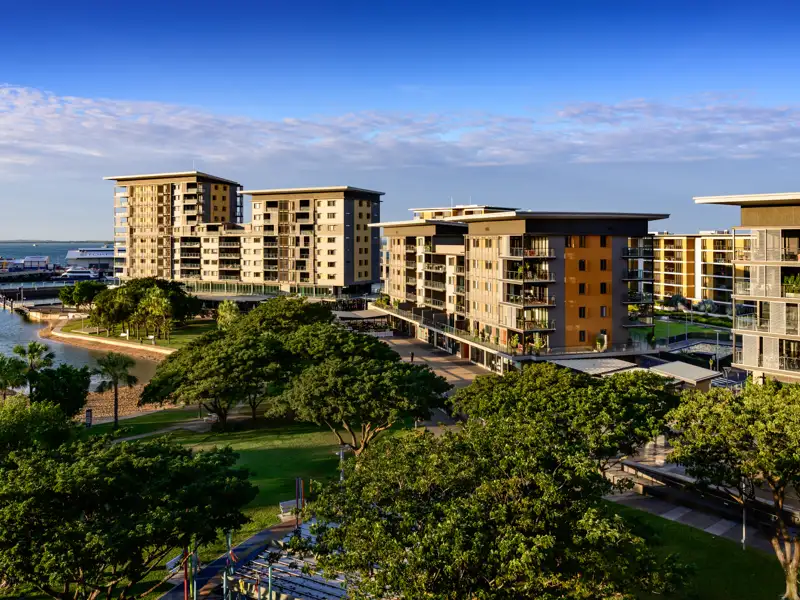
column 188, row 227
column 697, row 266
column 766, row 275
column 498, row 286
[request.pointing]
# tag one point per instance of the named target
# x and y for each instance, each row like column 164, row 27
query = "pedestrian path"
column 712, row 524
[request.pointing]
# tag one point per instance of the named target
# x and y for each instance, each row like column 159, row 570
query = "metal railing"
column 637, row 298
column 410, row 248
column 531, row 252
column 229, row 244
column 435, row 267
column 411, row 280
column 637, row 274
column 411, row 296
column 532, row 276
column 636, row 252
column 530, row 300
column 767, row 255
column 461, row 289
column 189, row 255
column 460, row 269
column 411, row 264
column 749, row 288
column 433, row 302
column 434, row 285
column 535, row 325
column 751, row 323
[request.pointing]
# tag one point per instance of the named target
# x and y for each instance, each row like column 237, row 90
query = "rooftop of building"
column 168, row 176
column 464, row 207
column 786, row 198
column 531, row 214
column 419, row 222
column 311, row 190
column 90, row 252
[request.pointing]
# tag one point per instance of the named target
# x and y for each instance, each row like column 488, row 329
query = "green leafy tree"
column 67, row 295
column 183, row 306
column 65, row 386
column 12, row 374
column 36, row 426
column 746, row 444
column 284, row 315
column 320, row 341
column 102, row 517
column 363, row 396
column 496, row 511
column 114, row 369
column 227, row 314
column 37, row 356
column 85, row 292
column 608, row 417
column 156, row 310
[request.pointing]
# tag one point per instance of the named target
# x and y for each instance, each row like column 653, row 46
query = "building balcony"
column 636, row 252
column 435, row 267
column 189, row 255
column 767, row 255
column 411, row 280
column 529, row 300
column 411, row 249
column 751, row 323
column 189, row 244
column 460, row 270
column 530, row 276
column 229, row 244
column 229, row 278
column 529, row 252
column 270, row 244
column 637, row 298
column 270, row 267
column 461, row 289
column 635, row 320
column 410, row 264
column 636, row 274
column 229, row 255
column 412, row 296
column 461, row 309
column 230, row 266
column 534, row 325
column 433, row 302
column 434, row 285
column 764, row 290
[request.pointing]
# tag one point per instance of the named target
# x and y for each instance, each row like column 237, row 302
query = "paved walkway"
column 457, row 371
column 713, row 524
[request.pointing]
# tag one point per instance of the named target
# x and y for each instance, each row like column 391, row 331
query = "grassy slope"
column 178, row 338
column 148, row 423
column 722, row 571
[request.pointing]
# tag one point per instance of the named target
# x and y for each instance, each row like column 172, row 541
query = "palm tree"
column 36, row 356
column 113, row 368
column 12, row 373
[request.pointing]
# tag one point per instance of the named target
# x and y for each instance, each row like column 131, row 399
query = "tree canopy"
column 364, row 396
column 114, row 369
column 283, row 315
column 41, row 425
column 745, row 443
column 94, row 518
column 495, row 511
column 227, row 314
column 12, row 374
column 65, row 386
column 37, row 356
column 609, row 416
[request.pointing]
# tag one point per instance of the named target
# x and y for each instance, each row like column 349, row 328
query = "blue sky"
column 576, row 105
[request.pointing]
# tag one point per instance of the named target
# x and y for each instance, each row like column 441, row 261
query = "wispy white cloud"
column 42, row 130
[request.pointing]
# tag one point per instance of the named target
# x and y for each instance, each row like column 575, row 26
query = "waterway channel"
column 16, row 330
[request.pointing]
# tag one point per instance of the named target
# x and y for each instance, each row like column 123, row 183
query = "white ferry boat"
column 79, row 274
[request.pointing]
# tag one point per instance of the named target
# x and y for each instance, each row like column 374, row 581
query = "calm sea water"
column 15, row 330
column 57, row 251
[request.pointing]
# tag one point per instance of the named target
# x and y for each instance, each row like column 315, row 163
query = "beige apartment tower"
column 766, row 275
column 499, row 286
column 188, row 227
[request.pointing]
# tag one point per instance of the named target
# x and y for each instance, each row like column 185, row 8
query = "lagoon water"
column 15, row 330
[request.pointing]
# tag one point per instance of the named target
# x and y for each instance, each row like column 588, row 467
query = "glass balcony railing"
column 435, row 268
column 637, row 274
column 530, row 300
column 763, row 290
column 533, row 276
column 637, row 298
column 751, row 323
column 434, row 285
column 636, row 252
column 531, row 252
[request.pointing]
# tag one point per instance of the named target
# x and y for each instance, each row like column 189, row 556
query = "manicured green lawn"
column 722, row 571
column 148, row 423
column 178, row 338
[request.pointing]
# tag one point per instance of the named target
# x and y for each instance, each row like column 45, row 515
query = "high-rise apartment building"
column 498, row 286
column 188, row 227
column 766, row 274
column 697, row 266
column 149, row 210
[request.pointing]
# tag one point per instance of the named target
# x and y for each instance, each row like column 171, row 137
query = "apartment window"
column 474, row 264
column 331, row 215
column 604, row 288
column 581, row 288
column 330, row 203
column 331, row 227
column 581, row 312
column 488, row 243
column 474, row 285
column 331, row 240
column 603, row 311
column 582, row 336
column 487, row 286
column 568, row 242
column 474, row 243
column 331, row 252
column 603, row 264
column 581, row 265
column 256, row 205
column 331, row 276
column 603, row 241
column 582, row 241
column 489, row 265
column 332, row 264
